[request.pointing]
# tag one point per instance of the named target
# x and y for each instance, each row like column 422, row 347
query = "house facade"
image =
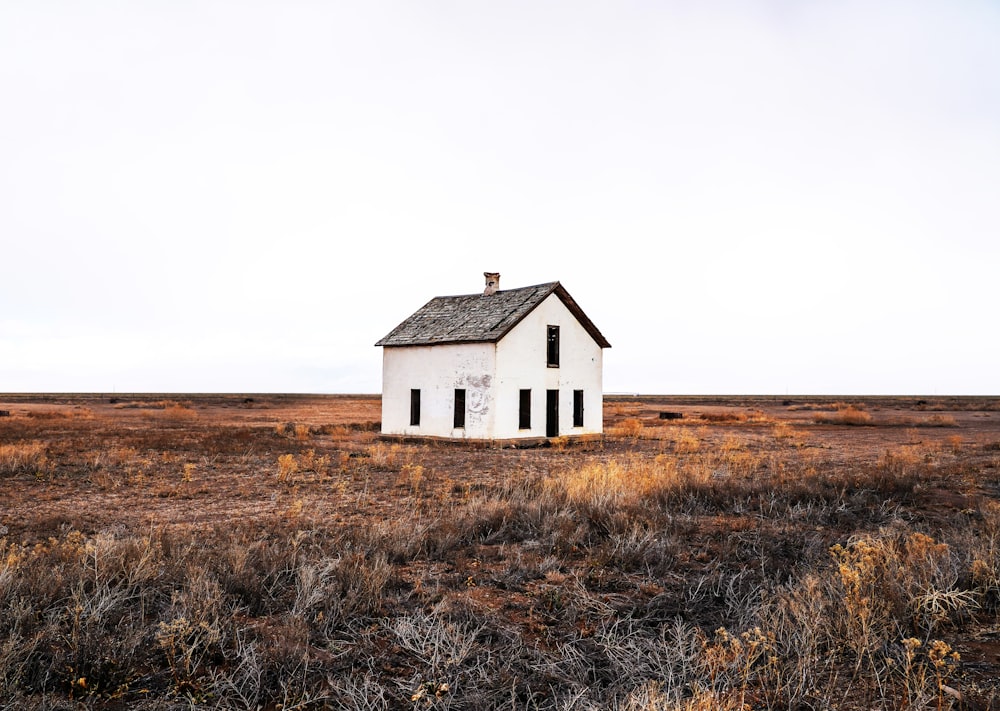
column 505, row 364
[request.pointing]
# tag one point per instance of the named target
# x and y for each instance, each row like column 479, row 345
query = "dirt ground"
column 205, row 463
column 206, row 459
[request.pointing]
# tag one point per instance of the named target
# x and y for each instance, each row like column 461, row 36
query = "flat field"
column 266, row 551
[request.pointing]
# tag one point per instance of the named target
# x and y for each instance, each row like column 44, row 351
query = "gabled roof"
column 477, row 318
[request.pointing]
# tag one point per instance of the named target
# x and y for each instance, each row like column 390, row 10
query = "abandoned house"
column 505, row 364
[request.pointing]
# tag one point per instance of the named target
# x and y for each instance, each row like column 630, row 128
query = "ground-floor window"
column 524, row 411
column 578, row 408
column 414, row 407
column 459, row 407
column 551, row 413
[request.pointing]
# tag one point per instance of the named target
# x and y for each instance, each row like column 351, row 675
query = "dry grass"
column 724, row 416
column 25, row 458
column 717, row 567
column 938, row 421
column 60, row 413
column 178, row 411
column 847, row 415
column 629, row 427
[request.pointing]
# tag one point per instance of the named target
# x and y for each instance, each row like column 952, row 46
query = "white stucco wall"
column 437, row 371
column 493, row 376
column 521, row 357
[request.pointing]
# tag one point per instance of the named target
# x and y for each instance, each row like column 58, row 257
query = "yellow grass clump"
column 28, row 457
column 625, row 481
column 686, row 442
column 84, row 413
column 630, row 427
column 848, row 415
column 939, row 421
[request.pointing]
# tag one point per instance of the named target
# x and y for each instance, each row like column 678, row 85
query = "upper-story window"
column 552, row 349
column 459, row 408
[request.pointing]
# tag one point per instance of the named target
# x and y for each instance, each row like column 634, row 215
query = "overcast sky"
column 745, row 197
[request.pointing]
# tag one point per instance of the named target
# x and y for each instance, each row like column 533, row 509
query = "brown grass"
column 938, row 421
column 178, row 411
column 25, row 458
column 60, row 413
column 847, row 415
column 223, row 561
column 629, row 427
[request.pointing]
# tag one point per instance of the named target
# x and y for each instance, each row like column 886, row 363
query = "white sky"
column 746, row 197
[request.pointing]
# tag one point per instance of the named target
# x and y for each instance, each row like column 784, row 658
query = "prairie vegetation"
column 275, row 554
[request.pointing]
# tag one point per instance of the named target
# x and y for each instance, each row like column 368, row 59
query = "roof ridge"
column 512, row 311
column 498, row 291
column 480, row 318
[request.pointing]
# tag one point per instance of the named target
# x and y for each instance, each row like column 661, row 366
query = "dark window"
column 414, row 407
column 524, row 413
column 553, row 347
column 459, row 407
column 578, row 408
column 551, row 413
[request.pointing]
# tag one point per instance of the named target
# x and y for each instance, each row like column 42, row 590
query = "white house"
column 511, row 364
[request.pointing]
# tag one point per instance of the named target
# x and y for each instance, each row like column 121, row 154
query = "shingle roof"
column 476, row 318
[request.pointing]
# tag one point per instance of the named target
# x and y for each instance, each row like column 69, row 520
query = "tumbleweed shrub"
column 983, row 554
column 23, row 458
column 630, row 427
column 287, row 467
column 686, row 441
column 84, row 413
column 723, row 416
column 306, row 465
column 178, row 411
column 757, row 417
column 953, row 443
column 938, row 421
column 384, row 456
column 899, row 469
column 896, row 584
column 856, row 617
column 849, row 415
column 841, row 406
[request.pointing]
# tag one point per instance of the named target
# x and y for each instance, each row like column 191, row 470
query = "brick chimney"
column 492, row 283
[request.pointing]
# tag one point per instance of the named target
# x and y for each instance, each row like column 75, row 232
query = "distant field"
column 269, row 551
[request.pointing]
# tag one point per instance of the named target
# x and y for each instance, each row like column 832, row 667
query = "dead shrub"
column 25, row 458
column 901, row 464
column 847, row 415
column 783, row 430
column 686, row 441
column 84, row 413
column 287, row 466
column 938, row 421
column 724, row 416
column 892, row 584
column 630, row 427
column 178, row 411
column 387, row 457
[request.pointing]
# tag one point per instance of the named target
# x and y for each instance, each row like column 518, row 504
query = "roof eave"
column 584, row 320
